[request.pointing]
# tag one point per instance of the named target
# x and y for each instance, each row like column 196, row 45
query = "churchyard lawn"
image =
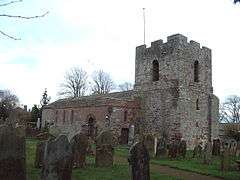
column 120, row 170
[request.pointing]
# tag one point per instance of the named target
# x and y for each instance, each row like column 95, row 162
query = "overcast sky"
column 103, row 34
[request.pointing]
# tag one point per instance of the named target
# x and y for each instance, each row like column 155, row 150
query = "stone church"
column 172, row 97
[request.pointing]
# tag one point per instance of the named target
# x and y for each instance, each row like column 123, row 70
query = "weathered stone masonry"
column 173, row 94
column 177, row 100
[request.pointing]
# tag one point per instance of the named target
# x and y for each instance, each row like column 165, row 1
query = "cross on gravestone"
column 12, row 153
column 79, row 145
column 58, row 159
column 139, row 161
column 104, row 149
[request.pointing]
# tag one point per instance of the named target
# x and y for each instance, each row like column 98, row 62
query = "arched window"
column 196, row 71
column 197, row 104
column 155, row 65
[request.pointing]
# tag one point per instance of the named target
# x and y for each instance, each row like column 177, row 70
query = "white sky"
column 103, row 35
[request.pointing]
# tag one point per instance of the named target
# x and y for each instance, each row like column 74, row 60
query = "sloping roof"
column 117, row 98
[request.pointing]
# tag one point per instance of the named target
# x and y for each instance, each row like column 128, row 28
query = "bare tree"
column 125, row 86
column 75, row 83
column 8, row 3
column 102, row 82
column 230, row 110
column 8, row 101
column 236, row 1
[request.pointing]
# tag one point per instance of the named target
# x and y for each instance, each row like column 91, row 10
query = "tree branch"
column 11, row 37
column 11, row 2
column 24, row 17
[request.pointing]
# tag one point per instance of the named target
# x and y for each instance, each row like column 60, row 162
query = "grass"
column 196, row 165
column 119, row 171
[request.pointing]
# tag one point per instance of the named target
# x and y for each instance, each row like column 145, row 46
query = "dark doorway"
column 91, row 128
column 124, row 136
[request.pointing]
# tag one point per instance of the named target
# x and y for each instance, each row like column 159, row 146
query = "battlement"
column 173, row 42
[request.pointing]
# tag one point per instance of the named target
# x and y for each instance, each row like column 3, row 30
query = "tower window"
column 196, row 71
column 125, row 115
column 155, row 65
column 197, row 104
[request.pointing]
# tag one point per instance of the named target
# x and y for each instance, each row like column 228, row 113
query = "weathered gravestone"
column 57, row 159
column 183, row 148
column 207, row 153
column 173, row 150
column 238, row 149
column 39, row 154
column 233, row 147
column 161, row 148
column 79, row 145
column 216, row 147
column 12, row 153
column 104, row 149
column 149, row 142
column 225, row 160
column 139, row 161
column 197, row 151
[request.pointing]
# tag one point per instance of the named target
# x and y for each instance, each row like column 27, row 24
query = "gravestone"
column 79, row 145
column 216, row 147
column 58, row 159
column 238, row 149
column 225, row 160
column 12, row 153
column 173, row 151
column 131, row 135
column 149, row 143
column 161, row 148
column 183, row 148
column 233, row 147
column 207, row 153
column 139, row 161
column 104, row 149
column 197, row 151
column 39, row 154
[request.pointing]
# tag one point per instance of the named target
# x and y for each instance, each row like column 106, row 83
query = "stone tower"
column 175, row 82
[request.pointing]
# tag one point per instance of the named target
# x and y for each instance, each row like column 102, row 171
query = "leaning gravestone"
column 39, row 154
column 216, row 147
column 12, row 153
column 104, row 149
column 183, row 148
column 139, row 161
column 207, row 153
column 57, row 159
column 79, row 145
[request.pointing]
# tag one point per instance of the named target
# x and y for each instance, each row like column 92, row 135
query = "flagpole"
column 144, row 22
